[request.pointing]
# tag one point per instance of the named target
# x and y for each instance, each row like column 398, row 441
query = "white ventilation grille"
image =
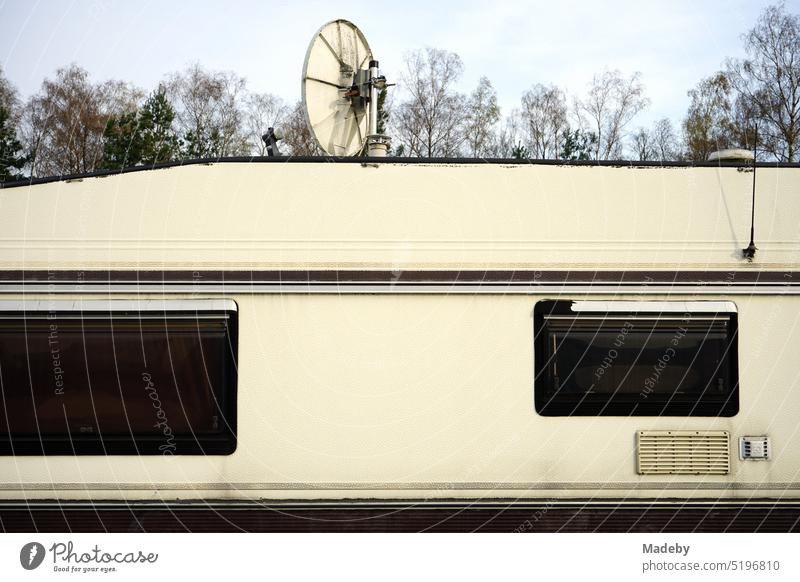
column 683, row 452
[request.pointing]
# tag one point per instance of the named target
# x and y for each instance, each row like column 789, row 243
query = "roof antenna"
column 750, row 252
column 270, row 140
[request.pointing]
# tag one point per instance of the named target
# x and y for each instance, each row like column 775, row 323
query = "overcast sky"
column 515, row 44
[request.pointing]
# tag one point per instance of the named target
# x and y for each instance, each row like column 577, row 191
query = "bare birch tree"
column 430, row 122
column 296, row 135
column 609, row 106
column 544, row 119
column 9, row 98
column 262, row 111
column 209, row 116
column 482, row 116
column 656, row 144
column 62, row 126
column 768, row 81
column 509, row 136
column 642, row 141
column 709, row 121
column 665, row 141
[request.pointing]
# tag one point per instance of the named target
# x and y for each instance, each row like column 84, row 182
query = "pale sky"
column 517, row 43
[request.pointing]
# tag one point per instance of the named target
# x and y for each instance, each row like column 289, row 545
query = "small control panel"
column 754, row 448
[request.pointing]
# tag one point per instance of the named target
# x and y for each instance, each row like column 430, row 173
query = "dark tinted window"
column 634, row 361
column 118, row 382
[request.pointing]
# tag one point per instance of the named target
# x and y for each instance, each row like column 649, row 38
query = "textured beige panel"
column 396, row 216
column 683, row 452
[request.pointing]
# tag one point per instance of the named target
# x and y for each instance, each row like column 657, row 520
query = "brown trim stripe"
column 417, row 277
column 410, row 518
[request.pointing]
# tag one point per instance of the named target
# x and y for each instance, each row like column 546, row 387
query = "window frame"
column 547, row 402
column 223, row 443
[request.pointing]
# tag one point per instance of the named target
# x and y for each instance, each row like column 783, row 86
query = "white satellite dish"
column 340, row 91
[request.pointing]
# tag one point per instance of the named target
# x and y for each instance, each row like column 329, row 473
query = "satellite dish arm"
column 377, row 144
column 373, row 98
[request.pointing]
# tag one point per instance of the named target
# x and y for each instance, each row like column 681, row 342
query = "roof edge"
column 395, row 160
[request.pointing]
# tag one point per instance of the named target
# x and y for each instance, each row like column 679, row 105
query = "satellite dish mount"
column 341, row 84
column 377, row 144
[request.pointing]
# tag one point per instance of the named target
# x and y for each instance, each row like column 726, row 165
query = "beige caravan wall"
column 403, row 394
column 432, row 396
column 397, row 216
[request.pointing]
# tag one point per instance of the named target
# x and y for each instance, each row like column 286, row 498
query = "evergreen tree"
column 204, row 144
column 577, row 145
column 122, row 142
column 159, row 142
column 141, row 137
column 383, row 111
column 520, row 152
column 11, row 158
